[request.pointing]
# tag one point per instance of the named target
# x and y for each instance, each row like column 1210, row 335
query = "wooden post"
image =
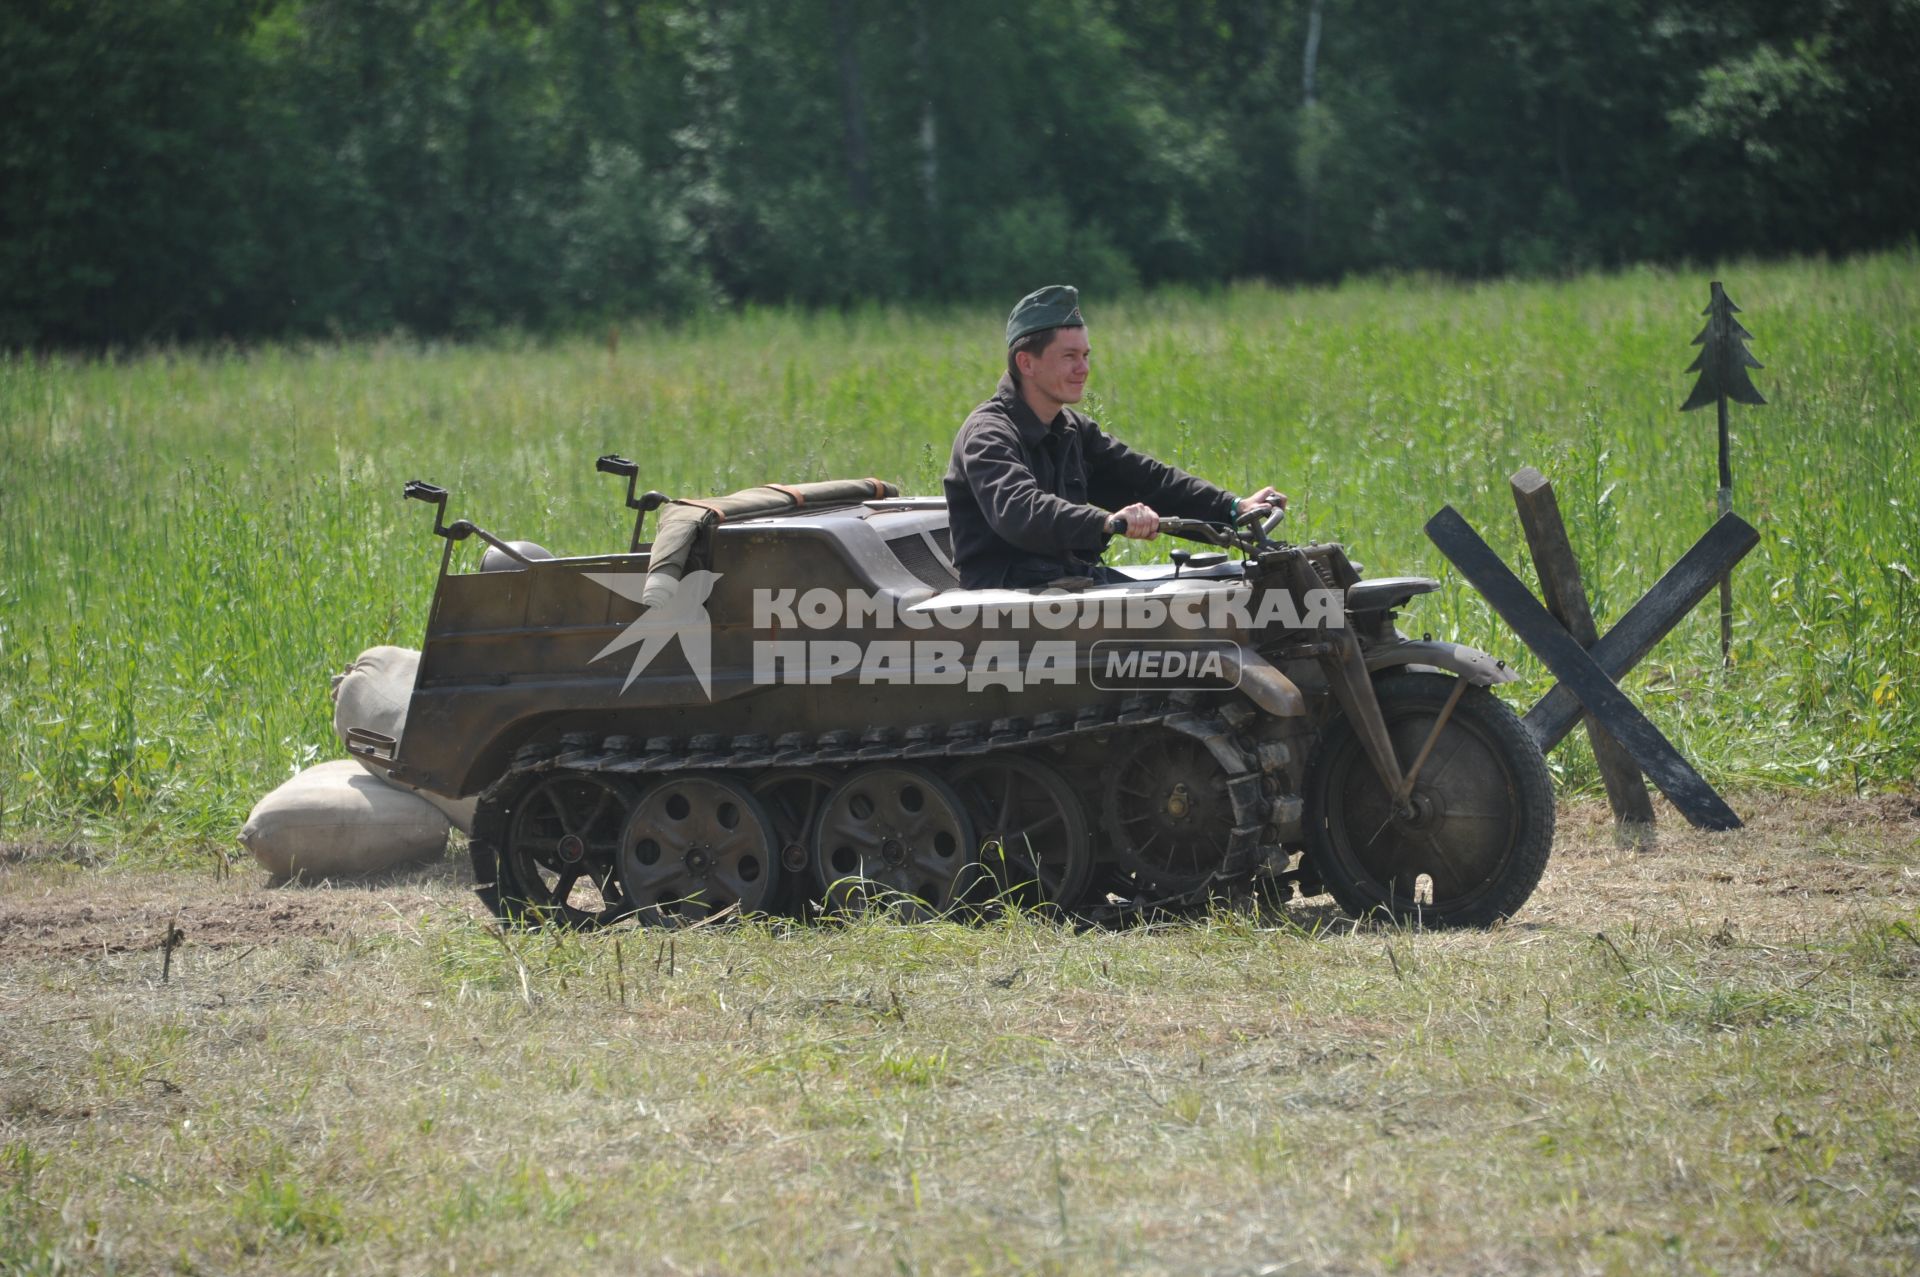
column 1566, row 597
column 1724, row 500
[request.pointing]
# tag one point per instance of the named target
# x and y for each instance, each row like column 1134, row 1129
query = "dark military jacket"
column 1027, row 501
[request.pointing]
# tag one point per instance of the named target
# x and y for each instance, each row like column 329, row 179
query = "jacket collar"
column 1025, row 420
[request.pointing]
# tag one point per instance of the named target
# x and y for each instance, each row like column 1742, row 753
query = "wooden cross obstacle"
column 1589, row 665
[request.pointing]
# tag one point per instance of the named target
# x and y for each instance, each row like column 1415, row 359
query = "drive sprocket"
column 1168, row 815
column 556, row 842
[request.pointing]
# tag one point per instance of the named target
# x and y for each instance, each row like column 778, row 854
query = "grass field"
column 193, row 542
column 1700, row 1060
column 1697, row 1058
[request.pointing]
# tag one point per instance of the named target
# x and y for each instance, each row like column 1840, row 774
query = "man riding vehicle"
column 1032, row 482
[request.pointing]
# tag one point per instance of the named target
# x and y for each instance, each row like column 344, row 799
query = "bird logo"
column 672, row 610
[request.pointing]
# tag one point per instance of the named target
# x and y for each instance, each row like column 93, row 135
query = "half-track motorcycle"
column 785, row 702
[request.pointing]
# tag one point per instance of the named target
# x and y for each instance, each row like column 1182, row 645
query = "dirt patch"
column 81, row 913
column 1801, row 860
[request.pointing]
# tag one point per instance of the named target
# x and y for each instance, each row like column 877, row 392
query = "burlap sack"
column 335, row 820
column 373, row 694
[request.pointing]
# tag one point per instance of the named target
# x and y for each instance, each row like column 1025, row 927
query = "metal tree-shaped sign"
column 1722, row 364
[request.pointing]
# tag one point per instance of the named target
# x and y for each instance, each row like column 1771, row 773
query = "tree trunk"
column 1309, row 171
column 929, row 131
column 1310, row 60
column 853, row 114
column 935, row 269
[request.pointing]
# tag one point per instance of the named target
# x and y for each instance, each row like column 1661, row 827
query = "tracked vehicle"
column 785, row 702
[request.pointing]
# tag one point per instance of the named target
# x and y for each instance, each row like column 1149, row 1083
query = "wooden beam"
column 1648, row 621
column 1570, row 663
column 1566, row 596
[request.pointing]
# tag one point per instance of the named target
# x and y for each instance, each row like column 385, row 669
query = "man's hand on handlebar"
column 1137, row 521
column 1255, row 518
column 1269, row 497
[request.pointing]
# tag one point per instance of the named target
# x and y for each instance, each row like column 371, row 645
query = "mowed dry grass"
column 1696, row 1058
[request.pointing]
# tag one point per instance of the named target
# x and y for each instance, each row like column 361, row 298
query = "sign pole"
column 1722, row 364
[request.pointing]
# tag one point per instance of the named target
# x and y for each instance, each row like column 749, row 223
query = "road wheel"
column 696, row 845
column 1035, row 847
column 894, row 837
column 793, row 797
column 1169, row 818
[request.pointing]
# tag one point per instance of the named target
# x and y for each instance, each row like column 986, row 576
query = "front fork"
column 1345, row 668
column 1346, row 672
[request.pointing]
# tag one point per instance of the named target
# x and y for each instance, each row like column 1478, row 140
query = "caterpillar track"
column 1245, row 822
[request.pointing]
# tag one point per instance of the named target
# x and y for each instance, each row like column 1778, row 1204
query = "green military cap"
column 1055, row 306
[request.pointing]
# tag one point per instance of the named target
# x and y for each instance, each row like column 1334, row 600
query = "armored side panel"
column 842, row 620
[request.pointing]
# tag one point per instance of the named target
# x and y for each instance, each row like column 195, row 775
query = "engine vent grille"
column 917, row 557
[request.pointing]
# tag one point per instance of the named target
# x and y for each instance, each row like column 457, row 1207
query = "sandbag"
column 373, row 694
column 335, row 820
column 374, row 691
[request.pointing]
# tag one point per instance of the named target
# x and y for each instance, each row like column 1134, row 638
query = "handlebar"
column 1192, row 529
column 1233, row 537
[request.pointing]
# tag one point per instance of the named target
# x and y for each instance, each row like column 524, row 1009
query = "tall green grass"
column 191, row 542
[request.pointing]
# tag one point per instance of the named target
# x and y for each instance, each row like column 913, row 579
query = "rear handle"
column 436, row 496
column 614, row 463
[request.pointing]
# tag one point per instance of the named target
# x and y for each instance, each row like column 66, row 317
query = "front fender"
column 1469, row 663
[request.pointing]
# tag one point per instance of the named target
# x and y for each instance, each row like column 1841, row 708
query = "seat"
column 494, row 561
column 1387, row 592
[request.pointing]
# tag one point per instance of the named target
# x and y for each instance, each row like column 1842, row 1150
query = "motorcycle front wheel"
column 1472, row 842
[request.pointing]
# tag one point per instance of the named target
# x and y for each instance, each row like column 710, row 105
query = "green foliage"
column 193, row 543
column 1036, row 240
column 276, row 1206
column 24, row 1246
column 629, row 251
column 192, row 169
column 122, row 212
column 524, row 1193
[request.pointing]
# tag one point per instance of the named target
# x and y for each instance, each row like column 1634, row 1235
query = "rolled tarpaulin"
column 682, row 521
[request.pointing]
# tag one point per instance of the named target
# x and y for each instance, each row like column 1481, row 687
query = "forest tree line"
column 194, row 169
